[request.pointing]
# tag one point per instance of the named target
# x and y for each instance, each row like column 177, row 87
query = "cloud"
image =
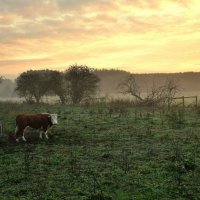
column 150, row 4
column 155, row 4
column 27, row 8
column 72, row 19
column 68, row 31
column 70, row 4
column 21, row 61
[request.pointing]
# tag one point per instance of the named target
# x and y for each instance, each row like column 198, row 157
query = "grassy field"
column 103, row 153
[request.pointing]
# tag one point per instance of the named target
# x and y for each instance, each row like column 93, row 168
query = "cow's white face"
column 54, row 118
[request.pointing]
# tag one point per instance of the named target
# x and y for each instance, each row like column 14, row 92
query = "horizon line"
column 14, row 76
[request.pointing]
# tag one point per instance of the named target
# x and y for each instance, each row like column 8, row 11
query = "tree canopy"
column 57, row 85
column 76, row 84
column 33, row 84
column 82, row 83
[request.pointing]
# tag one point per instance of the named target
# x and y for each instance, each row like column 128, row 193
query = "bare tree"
column 162, row 94
column 171, row 88
column 157, row 94
column 130, row 86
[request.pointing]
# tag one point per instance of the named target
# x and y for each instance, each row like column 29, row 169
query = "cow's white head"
column 54, row 118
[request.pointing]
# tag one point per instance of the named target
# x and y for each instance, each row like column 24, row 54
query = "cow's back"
column 34, row 121
column 21, row 120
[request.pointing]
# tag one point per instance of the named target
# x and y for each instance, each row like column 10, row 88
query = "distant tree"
column 32, row 85
column 157, row 94
column 1, row 79
column 82, row 83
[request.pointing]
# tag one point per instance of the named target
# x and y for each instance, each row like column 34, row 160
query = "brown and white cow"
column 41, row 121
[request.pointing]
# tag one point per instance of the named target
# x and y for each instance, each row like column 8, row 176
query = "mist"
column 188, row 82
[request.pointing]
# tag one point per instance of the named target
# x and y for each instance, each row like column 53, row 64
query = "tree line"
column 80, row 83
column 76, row 84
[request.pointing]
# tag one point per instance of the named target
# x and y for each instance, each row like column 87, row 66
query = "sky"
column 140, row 36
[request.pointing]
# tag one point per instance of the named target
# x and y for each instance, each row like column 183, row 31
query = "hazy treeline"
column 7, row 88
column 75, row 85
column 188, row 82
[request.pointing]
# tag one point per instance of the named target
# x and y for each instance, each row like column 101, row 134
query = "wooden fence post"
column 183, row 101
column 196, row 101
column 169, row 102
column 1, row 128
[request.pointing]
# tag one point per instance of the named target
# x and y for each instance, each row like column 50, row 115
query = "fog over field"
column 188, row 83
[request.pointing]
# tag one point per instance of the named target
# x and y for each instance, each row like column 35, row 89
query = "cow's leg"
column 46, row 135
column 41, row 134
column 18, row 133
column 17, row 139
column 23, row 138
column 16, row 130
column 45, row 129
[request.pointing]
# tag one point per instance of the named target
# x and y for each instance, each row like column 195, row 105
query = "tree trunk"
column 62, row 99
column 37, row 99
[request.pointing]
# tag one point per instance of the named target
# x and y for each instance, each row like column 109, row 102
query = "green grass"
column 102, row 153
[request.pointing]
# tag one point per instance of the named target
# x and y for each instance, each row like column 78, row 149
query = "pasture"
column 107, row 152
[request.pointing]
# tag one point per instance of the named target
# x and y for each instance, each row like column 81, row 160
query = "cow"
column 41, row 121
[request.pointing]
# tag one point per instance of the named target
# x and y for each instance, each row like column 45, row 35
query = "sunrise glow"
column 140, row 36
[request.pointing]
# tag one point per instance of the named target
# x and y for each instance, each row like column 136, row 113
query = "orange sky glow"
column 141, row 36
